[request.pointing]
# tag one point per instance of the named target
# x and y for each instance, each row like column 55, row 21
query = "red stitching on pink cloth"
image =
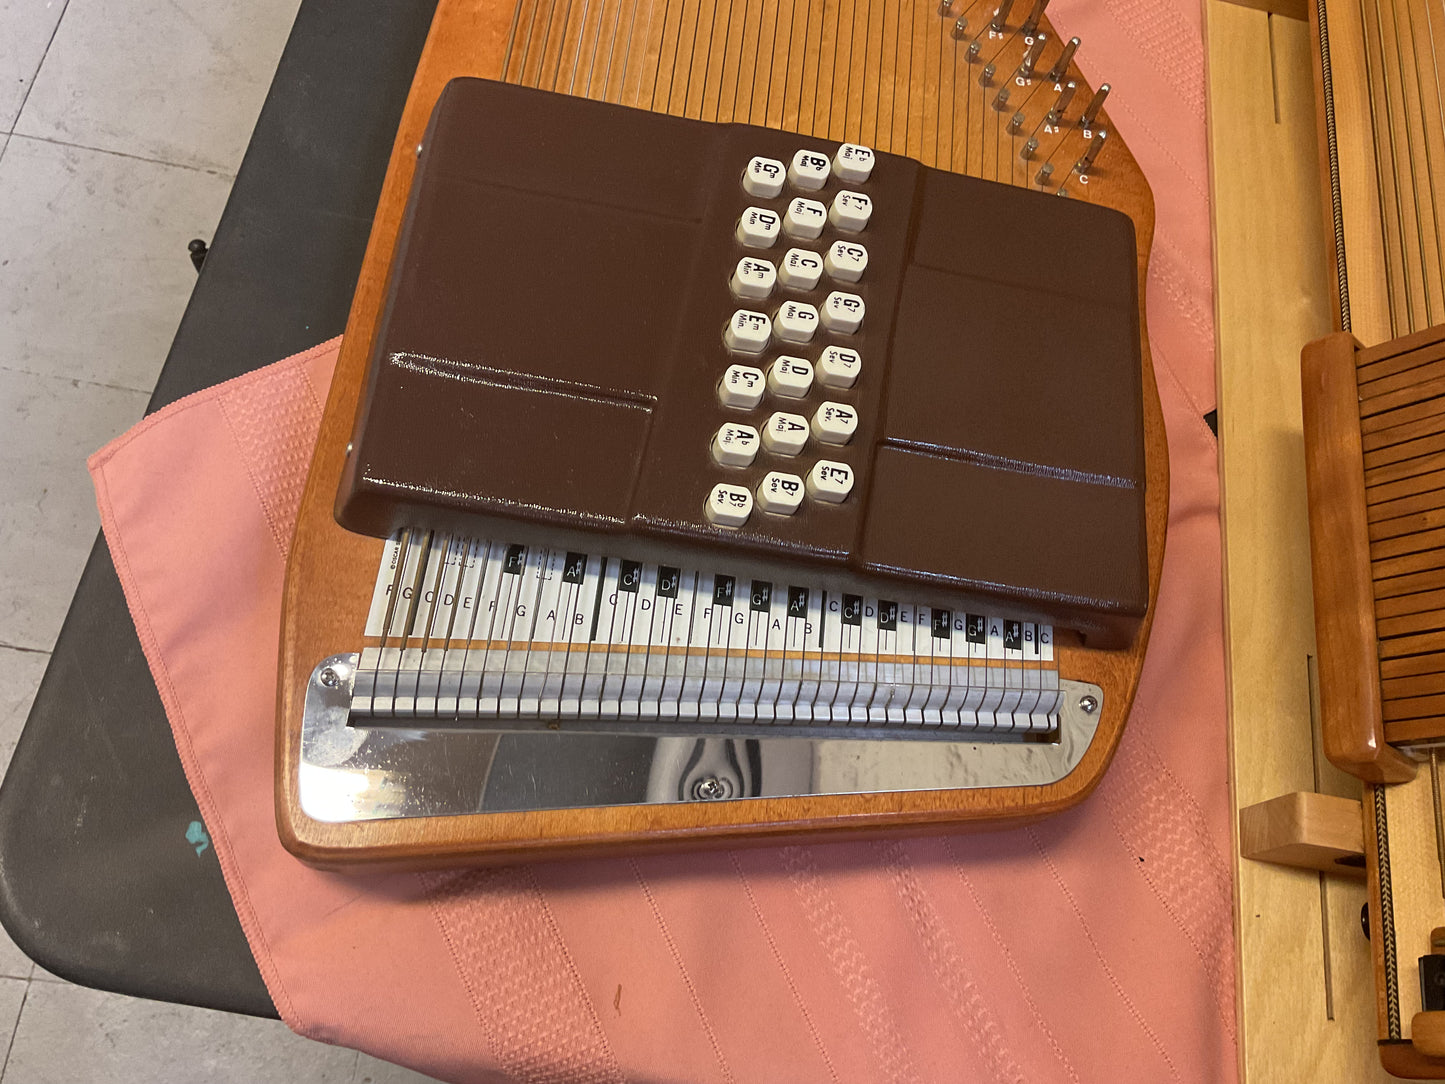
column 536, row 1015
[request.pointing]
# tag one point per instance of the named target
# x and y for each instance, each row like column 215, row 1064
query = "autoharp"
column 745, row 427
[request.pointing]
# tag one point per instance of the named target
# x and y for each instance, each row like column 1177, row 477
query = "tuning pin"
column 1095, row 146
column 973, row 48
column 1045, row 172
column 1061, row 66
column 1031, row 24
column 945, row 7
column 960, row 28
column 1056, row 114
column 1016, row 123
column 1091, row 112
column 1026, row 69
column 1000, row 101
column 1000, row 17
column 985, row 77
column 1031, row 145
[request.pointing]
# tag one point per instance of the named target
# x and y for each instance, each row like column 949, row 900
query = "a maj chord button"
column 728, row 505
column 839, row 367
column 741, row 387
column 758, row 228
column 854, row 163
column 805, row 218
column 800, row 269
column 830, row 481
column 809, row 170
column 754, row 279
column 785, row 434
column 796, row 321
column 764, row 177
column 850, row 212
column 780, row 493
column 748, row 332
column 842, row 312
column 846, row 261
column 835, row 423
column 735, row 445
column 790, row 377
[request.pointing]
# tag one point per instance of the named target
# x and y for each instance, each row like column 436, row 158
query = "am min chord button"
column 830, row 481
column 729, row 505
column 741, row 387
column 850, row 212
column 854, row 163
column 757, row 228
column 748, row 332
column 800, row 269
column 753, row 278
column 809, row 170
column 843, row 312
column 846, row 261
column 780, row 493
column 805, row 218
column 764, row 177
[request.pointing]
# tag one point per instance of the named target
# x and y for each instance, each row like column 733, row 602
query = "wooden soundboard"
column 885, row 74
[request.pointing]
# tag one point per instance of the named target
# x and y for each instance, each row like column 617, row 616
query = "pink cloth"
column 1094, row 946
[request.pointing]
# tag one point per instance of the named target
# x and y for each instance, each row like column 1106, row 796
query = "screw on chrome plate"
column 709, row 788
column 330, row 678
column 1088, row 705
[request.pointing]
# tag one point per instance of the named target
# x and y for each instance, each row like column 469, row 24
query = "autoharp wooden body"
column 745, row 427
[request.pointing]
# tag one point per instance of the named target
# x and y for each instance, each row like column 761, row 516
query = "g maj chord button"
column 800, row 269
column 843, row 312
column 785, row 434
column 809, row 170
column 805, row 218
column 853, row 163
column 796, row 322
column 780, row 493
column 758, row 228
column 729, row 506
column 846, row 261
column 835, row 423
column 735, row 445
column 850, row 212
column 741, row 387
column 763, row 178
column 839, row 367
column 830, row 481
column 748, row 332
column 754, row 279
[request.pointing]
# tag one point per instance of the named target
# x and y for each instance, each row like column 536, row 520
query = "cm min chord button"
column 830, row 481
column 742, row 387
column 728, row 505
column 764, row 177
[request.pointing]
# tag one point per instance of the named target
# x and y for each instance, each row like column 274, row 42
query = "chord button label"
column 780, row 493
column 748, row 332
column 800, row 269
column 796, row 322
column 728, row 505
column 830, row 481
column 846, row 261
column 764, row 177
column 805, row 218
column 741, row 387
column 834, row 423
column 785, row 434
column 758, row 228
column 735, row 445
column 854, row 163
column 753, row 279
column 839, row 367
column 843, row 312
column 790, row 377
column 850, row 212
column 809, row 170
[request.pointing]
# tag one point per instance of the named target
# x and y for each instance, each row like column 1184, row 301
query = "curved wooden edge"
column 325, row 599
column 1350, row 706
column 1404, row 1059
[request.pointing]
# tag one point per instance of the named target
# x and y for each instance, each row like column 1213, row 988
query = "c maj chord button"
column 800, row 269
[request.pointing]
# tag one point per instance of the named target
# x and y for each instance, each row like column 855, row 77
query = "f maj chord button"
column 850, row 212
column 854, row 163
column 754, row 279
column 780, row 493
column 843, row 312
column 785, row 434
column 741, row 387
column 796, row 322
column 728, row 505
column 839, row 367
column 835, row 423
column 748, row 332
column 805, row 218
column 809, row 170
column 735, row 445
column 846, row 261
column 758, row 228
column 830, row 481
column 764, row 177
column 800, row 269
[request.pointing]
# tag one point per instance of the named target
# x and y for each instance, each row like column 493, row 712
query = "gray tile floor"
column 122, row 123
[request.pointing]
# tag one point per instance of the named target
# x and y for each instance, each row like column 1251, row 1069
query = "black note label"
column 631, row 577
column 575, row 570
column 1013, row 635
column 667, row 581
column 974, row 629
column 942, row 624
column 516, row 560
column 852, row 609
column 887, row 616
column 722, row 590
column 797, row 602
column 762, row 597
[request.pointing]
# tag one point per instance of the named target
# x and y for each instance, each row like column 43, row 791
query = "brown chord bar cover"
column 548, row 364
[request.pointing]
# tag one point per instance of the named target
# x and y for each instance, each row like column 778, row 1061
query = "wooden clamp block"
column 1308, row 830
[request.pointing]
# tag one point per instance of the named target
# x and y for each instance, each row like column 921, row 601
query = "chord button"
column 748, row 332
column 735, row 445
column 843, row 312
column 854, row 163
column 790, row 377
column 846, row 261
column 742, row 387
column 850, row 212
column 800, row 269
column 839, row 367
column 809, row 170
column 785, row 434
column 757, row 228
column 830, row 481
column 780, row 493
column 764, row 177
column 728, row 506
column 834, row 423
column 754, row 279
column 796, row 321
column 805, row 218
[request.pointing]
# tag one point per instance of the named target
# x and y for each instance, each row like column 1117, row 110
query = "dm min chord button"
column 758, row 227
column 729, row 505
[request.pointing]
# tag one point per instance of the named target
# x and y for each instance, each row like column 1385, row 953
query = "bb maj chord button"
column 809, row 170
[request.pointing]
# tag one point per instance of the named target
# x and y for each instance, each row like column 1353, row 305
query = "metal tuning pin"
column 1000, row 101
column 985, row 77
column 973, row 48
column 945, row 8
column 1016, row 123
column 1056, row 114
column 1031, row 24
column 1061, row 66
column 1095, row 146
column 1046, row 171
column 1000, row 17
column 1030, row 145
column 960, row 28
column 1091, row 111
column 1031, row 57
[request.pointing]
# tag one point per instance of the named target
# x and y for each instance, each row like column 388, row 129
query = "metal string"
column 1430, row 164
column 1380, row 171
column 1412, row 173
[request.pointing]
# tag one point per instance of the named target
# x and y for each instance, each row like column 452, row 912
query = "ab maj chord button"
column 728, row 505
column 735, row 445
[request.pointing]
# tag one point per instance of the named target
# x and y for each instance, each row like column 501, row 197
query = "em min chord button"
column 834, row 423
column 742, row 387
column 846, row 261
column 830, row 481
column 780, row 493
column 728, row 505
column 809, row 170
column 754, row 279
column 763, row 178
column 757, row 228
column 850, row 212
column 785, row 434
column 748, row 332
column 795, row 322
column 839, row 367
column 735, row 445
column 805, row 218
column 790, row 377
column 842, row 312
column 800, row 269
column 854, row 162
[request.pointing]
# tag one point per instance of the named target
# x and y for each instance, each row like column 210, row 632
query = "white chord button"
column 741, row 386
column 809, row 170
column 780, row 493
column 757, row 228
column 830, row 481
column 790, row 377
column 838, row 367
column 843, row 312
column 850, row 212
column 748, row 332
column 800, row 269
column 785, row 434
column 735, row 445
column 729, row 506
column 846, row 261
column 796, row 322
column 805, row 218
column 763, row 178
column 754, row 278
column 853, row 162
column 835, row 423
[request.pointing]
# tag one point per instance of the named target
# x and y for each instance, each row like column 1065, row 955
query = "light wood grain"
column 1305, row 830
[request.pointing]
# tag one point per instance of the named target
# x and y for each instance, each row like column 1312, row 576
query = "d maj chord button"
column 728, row 505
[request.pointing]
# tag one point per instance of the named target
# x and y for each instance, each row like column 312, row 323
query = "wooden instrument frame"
column 329, row 571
